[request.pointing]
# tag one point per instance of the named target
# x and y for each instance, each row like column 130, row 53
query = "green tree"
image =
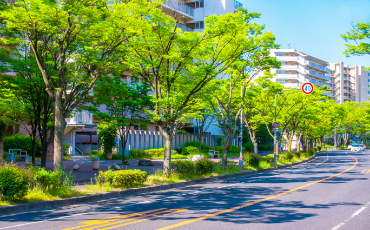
column 177, row 66
column 125, row 105
column 73, row 43
column 360, row 34
column 107, row 133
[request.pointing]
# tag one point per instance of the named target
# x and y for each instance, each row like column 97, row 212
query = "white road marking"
column 353, row 215
column 79, row 214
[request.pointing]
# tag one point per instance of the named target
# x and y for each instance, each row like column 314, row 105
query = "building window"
column 281, row 81
column 283, row 63
column 368, row 75
column 199, row 4
column 280, row 53
column 280, row 71
column 199, row 25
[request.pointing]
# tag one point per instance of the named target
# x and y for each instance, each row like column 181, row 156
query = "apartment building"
column 350, row 83
column 298, row 68
column 344, row 83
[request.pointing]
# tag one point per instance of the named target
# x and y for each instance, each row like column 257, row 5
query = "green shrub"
column 141, row 152
column 116, row 156
column 187, row 150
column 287, row 156
column 265, row 147
column 154, row 152
column 96, row 152
column 269, row 159
column 204, row 166
column 21, row 142
column 48, row 179
column 65, row 148
column 133, row 153
column 122, row 178
column 204, row 148
column 219, row 141
column 319, row 148
column 310, row 152
column 248, row 147
column 297, row 154
column 183, row 167
column 235, row 149
column 251, row 160
column 14, row 181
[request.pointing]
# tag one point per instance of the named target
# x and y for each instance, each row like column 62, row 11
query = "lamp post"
column 276, row 128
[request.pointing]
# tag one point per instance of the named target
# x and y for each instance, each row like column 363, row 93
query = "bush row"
column 148, row 153
column 122, row 178
column 16, row 181
column 102, row 156
column 200, row 167
column 21, row 142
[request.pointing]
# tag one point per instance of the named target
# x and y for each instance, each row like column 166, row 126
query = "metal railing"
column 316, row 82
column 318, row 67
column 185, row 28
column 80, row 117
column 176, row 5
column 319, row 75
column 78, row 145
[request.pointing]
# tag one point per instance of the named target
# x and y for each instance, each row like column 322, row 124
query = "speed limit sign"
column 307, row 88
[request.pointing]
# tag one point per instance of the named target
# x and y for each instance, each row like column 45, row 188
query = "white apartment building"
column 350, row 83
column 298, row 68
column 344, row 83
column 191, row 13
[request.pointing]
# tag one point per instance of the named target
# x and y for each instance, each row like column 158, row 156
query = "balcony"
column 319, row 75
column 287, row 76
column 316, row 82
column 180, row 7
column 185, row 28
column 313, row 65
column 289, row 67
column 238, row 4
column 82, row 117
column 291, row 85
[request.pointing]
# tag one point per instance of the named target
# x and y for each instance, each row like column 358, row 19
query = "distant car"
column 361, row 147
column 349, row 147
column 355, row 148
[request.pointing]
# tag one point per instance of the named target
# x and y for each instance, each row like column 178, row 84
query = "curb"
column 128, row 192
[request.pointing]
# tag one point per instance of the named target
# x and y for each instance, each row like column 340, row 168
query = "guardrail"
column 176, row 5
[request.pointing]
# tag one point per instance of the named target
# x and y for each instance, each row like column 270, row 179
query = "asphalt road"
column 330, row 192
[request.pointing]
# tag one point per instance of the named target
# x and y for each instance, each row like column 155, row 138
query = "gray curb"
column 134, row 191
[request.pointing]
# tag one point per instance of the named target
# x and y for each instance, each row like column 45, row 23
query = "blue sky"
column 313, row 26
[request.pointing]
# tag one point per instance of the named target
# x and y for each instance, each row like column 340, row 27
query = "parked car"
column 361, row 147
column 355, row 148
column 349, row 147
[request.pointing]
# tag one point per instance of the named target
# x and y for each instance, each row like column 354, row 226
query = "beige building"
column 349, row 83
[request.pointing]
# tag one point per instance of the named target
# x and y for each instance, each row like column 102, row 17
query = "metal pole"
column 275, row 135
column 241, row 125
column 335, row 138
column 241, row 131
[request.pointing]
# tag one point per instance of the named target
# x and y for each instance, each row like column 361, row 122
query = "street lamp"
column 276, row 128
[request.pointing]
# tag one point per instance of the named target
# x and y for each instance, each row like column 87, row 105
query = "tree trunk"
column 167, row 155
column 58, row 132
column 123, row 144
column 298, row 140
column 34, row 152
column 1, row 147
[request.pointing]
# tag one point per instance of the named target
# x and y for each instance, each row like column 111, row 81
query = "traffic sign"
column 275, row 124
column 307, row 88
column 275, row 129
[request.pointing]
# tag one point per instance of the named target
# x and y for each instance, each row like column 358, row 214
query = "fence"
column 142, row 139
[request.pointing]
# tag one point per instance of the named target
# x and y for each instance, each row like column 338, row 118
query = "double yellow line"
column 111, row 222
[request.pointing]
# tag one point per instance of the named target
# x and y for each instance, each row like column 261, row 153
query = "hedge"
column 21, row 142
column 122, row 178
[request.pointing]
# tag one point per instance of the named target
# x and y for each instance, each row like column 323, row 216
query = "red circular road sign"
column 275, row 125
column 307, row 88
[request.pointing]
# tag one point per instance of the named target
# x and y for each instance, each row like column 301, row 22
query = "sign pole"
column 275, row 135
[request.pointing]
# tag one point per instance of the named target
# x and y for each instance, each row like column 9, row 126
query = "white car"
column 355, row 148
column 361, row 147
column 349, row 147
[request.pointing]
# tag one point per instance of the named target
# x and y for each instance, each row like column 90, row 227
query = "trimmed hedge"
column 183, row 167
column 187, row 150
column 310, row 152
column 48, row 179
column 96, row 153
column 122, row 178
column 21, row 142
column 204, row 166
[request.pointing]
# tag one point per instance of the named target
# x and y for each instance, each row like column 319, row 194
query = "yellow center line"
column 138, row 221
column 257, row 201
column 109, row 219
